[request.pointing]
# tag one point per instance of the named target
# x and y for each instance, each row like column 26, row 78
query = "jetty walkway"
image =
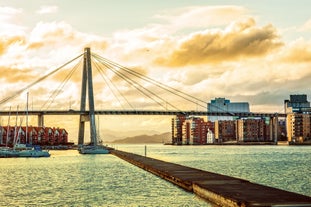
column 219, row 189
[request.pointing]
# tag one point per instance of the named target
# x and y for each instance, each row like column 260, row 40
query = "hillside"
column 145, row 139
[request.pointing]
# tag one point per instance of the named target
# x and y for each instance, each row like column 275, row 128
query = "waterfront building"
column 35, row 135
column 1, row 136
column 252, row 130
column 297, row 103
column 224, row 105
column 298, row 127
column 185, row 133
column 210, row 127
column 177, row 129
column 225, row 130
column 298, row 124
column 210, row 137
column 282, row 130
column 194, row 131
column 198, row 131
column 7, row 135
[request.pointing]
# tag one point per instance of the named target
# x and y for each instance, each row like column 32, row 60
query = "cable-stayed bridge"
column 121, row 82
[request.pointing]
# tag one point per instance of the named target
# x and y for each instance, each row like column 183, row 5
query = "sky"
column 246, row 51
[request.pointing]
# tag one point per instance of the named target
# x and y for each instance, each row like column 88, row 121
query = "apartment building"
column 225, row 105
column 252, row 130
column 298, row 126
column 225, row 130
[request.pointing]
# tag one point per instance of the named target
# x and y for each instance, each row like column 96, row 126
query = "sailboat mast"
column 15, row 130
column 8, row 129
column 27, row 119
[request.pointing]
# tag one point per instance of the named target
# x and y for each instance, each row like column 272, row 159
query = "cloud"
column 9, row 17
column 206, row 56
column 298, row 51
column 8, row 13
column 7, row 41
column 306, row 26
column 157, row 38
column 47, row 10
column 202, row 16
column 13, row 75
column 238, row 40
column 48, row 35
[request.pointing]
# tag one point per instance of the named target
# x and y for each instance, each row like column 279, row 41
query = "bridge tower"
column 87, row 89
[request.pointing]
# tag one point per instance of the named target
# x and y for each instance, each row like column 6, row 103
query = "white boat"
column 34, row 152
column 93, row 149
column 8, row 152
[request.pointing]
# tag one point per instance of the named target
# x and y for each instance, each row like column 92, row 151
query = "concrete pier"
column 219, row 189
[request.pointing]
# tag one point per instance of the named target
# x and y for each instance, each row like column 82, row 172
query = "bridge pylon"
column 87, row 89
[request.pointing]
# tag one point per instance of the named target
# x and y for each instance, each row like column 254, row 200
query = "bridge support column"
column 276, row 126
column 40, row 120
column 87, row 87
column 273, row 126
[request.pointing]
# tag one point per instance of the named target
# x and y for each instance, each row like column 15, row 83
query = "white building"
column 210, row 138
column 224, row 105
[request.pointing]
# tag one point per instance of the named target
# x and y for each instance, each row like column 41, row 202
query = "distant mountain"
column 146, row 139
column 110, row 136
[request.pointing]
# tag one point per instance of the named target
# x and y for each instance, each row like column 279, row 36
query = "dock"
column 218, row 189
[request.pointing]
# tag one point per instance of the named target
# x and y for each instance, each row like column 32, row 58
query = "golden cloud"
column 242, row 39
column 54, row 34
column 13, row 75
column 298, row 52
column 6, row 42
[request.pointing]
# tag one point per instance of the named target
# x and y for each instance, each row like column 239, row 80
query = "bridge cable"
column 154, row 82
column 57, row 91
column 161, row 85
column 135, row 84
column 37, row 81
column 106, row 79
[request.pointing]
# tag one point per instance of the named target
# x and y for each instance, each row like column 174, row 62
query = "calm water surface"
column 70, row 179
column 284, row 167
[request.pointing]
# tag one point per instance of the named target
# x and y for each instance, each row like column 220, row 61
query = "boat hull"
column 33, row 153
column 5, row 153
column 93, row 150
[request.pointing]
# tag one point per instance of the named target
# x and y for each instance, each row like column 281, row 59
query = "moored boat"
column 93, row 149
column 6, row 152
column 36, row 151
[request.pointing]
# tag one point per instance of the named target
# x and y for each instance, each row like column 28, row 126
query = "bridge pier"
column 40, row 120
column 87, row 87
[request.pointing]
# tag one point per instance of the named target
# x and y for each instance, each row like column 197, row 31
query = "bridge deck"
column 144, row 112
column 219, row 189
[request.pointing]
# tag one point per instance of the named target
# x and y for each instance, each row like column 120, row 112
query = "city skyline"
column 256, row 52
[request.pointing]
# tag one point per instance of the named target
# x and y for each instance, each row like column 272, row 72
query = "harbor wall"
column 218, row 189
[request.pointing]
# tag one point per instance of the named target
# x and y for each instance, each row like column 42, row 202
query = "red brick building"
column 35, row 135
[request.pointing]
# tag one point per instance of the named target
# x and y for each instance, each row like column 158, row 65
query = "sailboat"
column 35, row 151
column 94, row 148
column 7, row 151
column 28, row 150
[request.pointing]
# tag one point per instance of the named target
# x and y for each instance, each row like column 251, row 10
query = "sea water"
column 70, row 179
